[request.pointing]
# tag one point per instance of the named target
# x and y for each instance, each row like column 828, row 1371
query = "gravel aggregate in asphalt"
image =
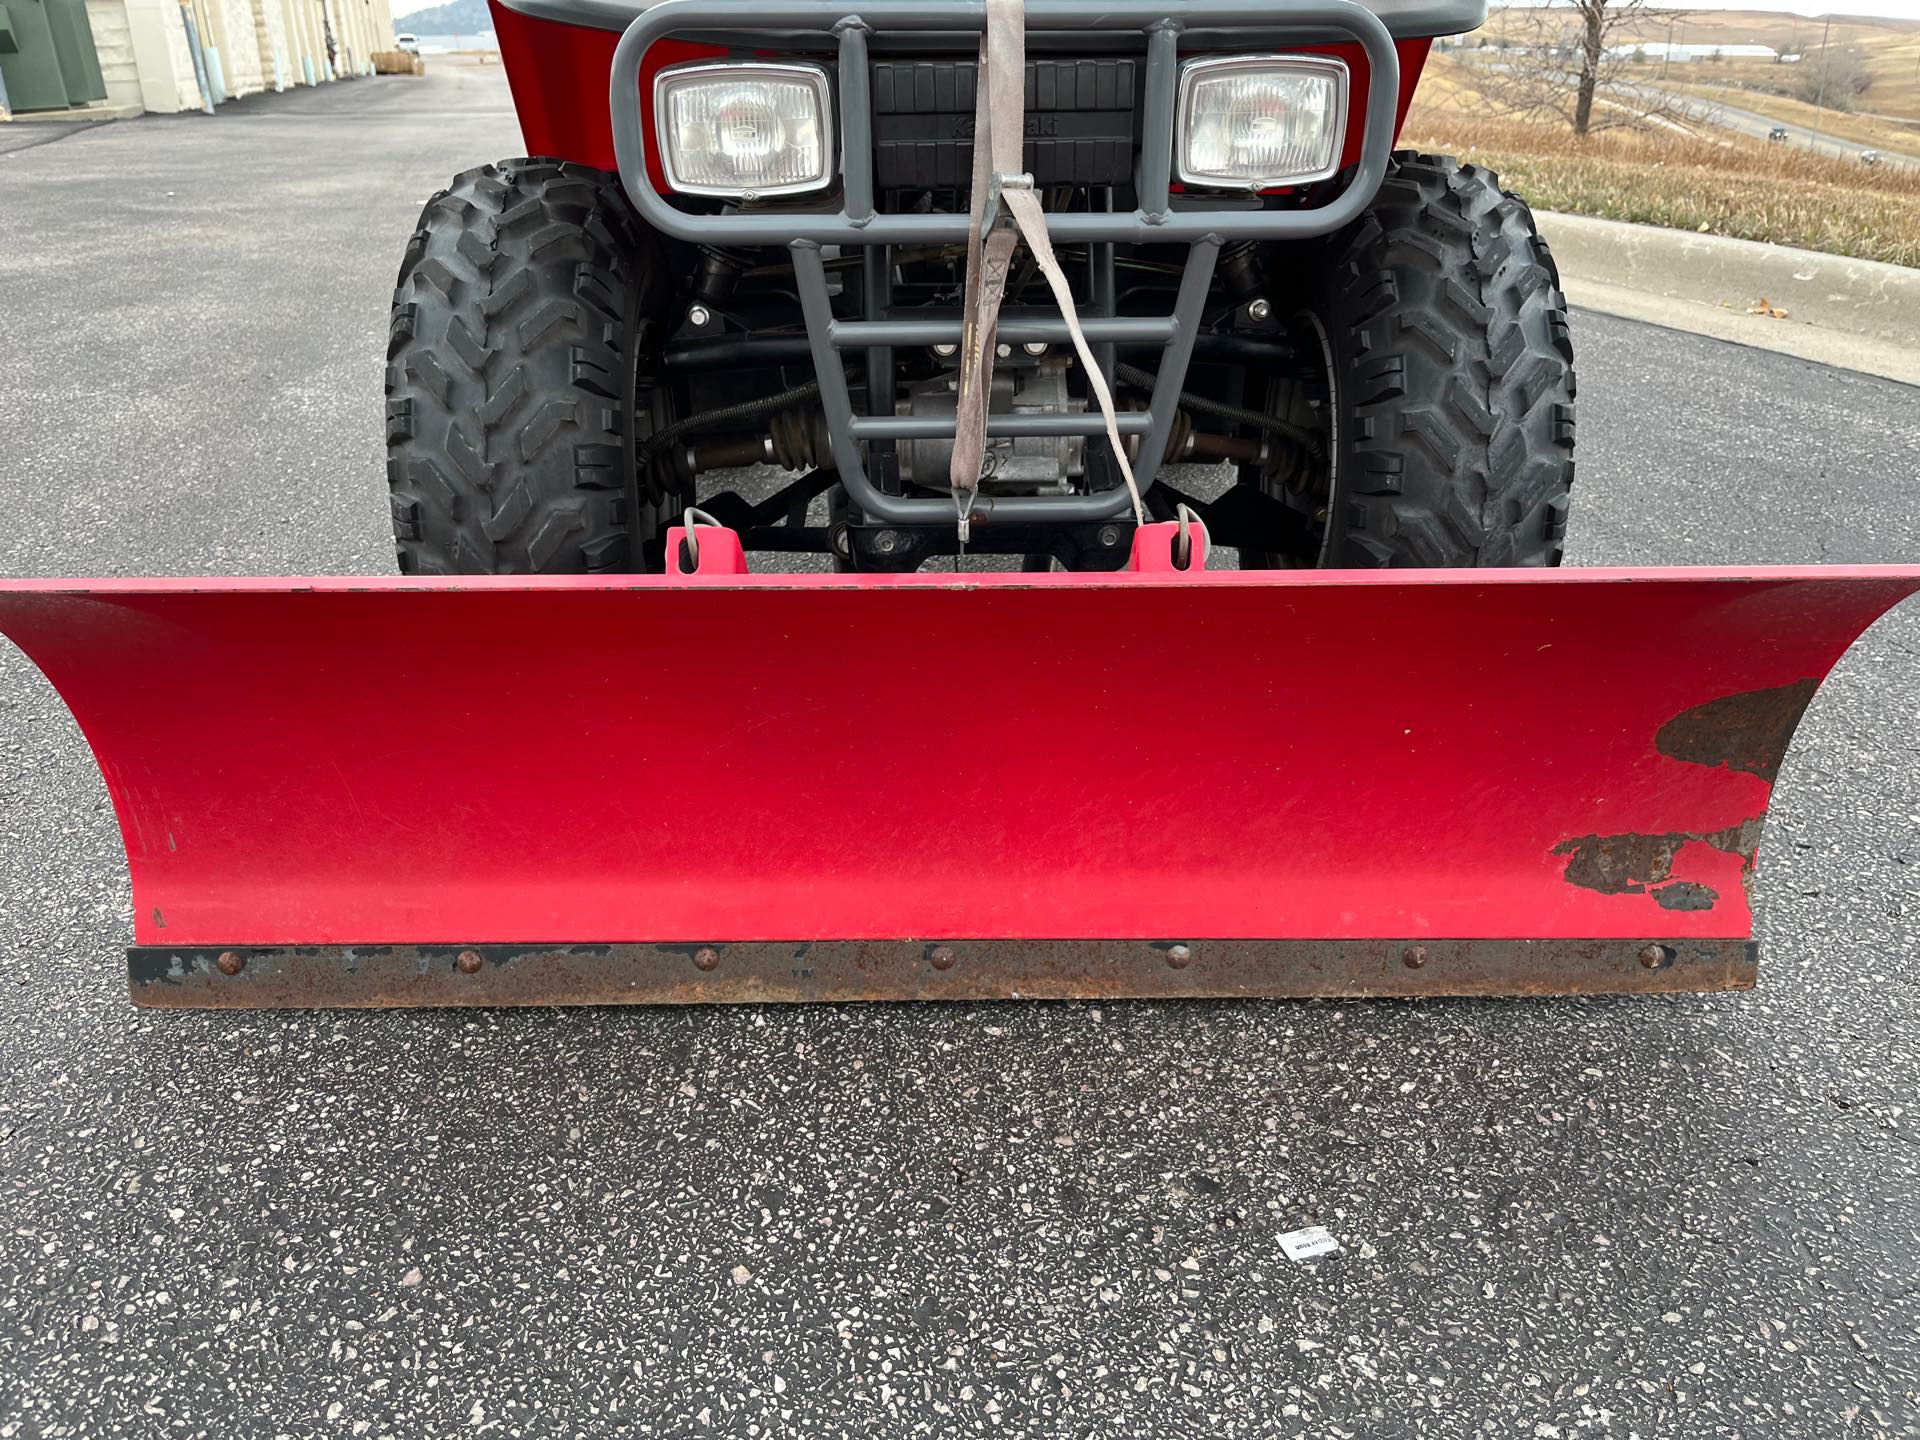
column 1683, row 1216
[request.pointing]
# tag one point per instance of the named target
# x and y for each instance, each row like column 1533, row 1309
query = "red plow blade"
column 733, row 787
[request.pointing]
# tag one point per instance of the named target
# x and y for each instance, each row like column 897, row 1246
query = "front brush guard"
column 723, row 786
column 1201, row 223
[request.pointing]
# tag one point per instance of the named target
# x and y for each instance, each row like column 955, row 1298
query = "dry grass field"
column 1891, row 49
column 1863, row 130
column 1716, row 184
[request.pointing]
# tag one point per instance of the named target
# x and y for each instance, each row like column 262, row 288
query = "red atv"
column 763, row 234
column 974, row 276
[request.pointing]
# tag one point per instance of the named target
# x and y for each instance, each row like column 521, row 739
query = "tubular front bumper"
column 1203, row 223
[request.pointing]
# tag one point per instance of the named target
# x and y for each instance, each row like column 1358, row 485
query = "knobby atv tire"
column 1452, row 377
column 527, row 298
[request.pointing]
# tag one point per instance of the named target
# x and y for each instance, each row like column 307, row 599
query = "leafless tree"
column 1833, row 76
column 1581, row 60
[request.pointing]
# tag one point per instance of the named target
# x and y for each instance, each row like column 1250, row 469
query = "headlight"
column 744, row 130
column 1261, row 121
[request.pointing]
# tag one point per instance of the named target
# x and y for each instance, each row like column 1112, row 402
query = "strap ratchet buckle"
column 993, row 213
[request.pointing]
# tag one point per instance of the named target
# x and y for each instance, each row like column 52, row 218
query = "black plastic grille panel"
column 1080, row 122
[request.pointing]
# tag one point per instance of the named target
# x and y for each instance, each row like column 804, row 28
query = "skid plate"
column 587, row 783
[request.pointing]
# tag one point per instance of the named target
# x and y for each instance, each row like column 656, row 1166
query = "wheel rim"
column 1330, row 375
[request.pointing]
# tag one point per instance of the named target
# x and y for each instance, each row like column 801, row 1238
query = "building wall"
column 269, row 32
column 147, row 61
column 315, row 12
column 167, row 79
column 144, row 56
column 338, row 21
column 239, row 48
column 301, row 48
column 113, row 45
column 303, row 40
column 210, row 21
column 362, row 27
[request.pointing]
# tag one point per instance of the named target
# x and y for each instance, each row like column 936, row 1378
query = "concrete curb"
column 1857, row 314
column 100, row 114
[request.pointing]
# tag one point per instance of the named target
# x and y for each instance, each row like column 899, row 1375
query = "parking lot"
column 1680, row 1216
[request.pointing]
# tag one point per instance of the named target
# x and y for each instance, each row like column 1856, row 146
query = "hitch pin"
column 963, row 522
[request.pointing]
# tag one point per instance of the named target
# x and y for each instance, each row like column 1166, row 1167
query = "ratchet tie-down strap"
column 1003, row 199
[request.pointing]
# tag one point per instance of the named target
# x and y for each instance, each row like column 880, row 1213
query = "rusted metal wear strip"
column 365, row 977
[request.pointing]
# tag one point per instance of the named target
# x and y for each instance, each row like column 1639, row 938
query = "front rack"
column 1160, row 217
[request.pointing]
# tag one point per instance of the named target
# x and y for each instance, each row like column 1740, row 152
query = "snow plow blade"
column 835, row 787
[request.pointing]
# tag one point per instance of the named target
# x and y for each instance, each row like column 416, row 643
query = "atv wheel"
column 1445, row 397
column 518, row 378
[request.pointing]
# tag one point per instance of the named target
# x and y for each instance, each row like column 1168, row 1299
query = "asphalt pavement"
column 1687, row 1216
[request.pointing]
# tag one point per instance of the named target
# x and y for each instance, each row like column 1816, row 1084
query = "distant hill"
column 457, row 17
column 1890, row 47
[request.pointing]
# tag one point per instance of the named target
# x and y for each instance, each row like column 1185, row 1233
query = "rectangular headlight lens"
column 1261, row 121
column 744, row 130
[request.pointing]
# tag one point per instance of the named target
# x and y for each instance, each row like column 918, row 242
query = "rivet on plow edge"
column 1656, row 957
column 230, row 962
column 1414, row 956
column 1178, row 956
column 469, row 962
column 706, row 957
column 941, row 957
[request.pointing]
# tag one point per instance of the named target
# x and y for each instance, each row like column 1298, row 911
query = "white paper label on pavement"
column 1310, row 1243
